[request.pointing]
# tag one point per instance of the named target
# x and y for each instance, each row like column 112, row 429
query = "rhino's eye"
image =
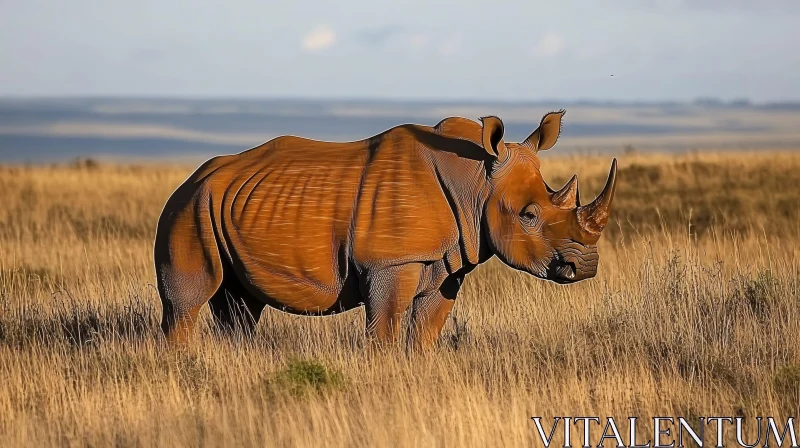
column 528, row 215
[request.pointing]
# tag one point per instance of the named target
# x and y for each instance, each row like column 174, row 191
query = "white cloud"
column 451, row 45
column 418, row 41
column 550, row 45
column 320, row 38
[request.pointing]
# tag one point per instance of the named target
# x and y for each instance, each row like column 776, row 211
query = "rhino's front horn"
column 567, row 197
column 593, row 217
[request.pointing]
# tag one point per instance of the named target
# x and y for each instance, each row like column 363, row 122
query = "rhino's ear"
column 546, row 135
column 493, row 131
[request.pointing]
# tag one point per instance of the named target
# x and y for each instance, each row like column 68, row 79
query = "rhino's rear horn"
column 568, row 196
column 593, row 217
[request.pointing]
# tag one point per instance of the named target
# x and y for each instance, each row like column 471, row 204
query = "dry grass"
column 682, row 320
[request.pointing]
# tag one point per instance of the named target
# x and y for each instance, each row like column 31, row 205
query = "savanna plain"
column 695, row 311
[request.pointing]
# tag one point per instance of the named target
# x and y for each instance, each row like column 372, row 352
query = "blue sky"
column 465, row 49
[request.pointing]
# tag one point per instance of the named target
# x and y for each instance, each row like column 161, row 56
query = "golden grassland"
column 695, row 311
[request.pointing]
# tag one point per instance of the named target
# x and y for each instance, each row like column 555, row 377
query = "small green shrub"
column 303, row 376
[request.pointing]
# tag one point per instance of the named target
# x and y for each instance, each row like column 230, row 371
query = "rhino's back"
column 284, row 213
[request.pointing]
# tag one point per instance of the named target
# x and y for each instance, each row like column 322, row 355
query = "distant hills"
column 52, row 129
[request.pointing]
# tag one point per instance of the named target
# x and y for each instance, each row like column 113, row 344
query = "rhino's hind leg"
column 187, row 260
column 234, row 309
column 177, row 323
column 182, row 301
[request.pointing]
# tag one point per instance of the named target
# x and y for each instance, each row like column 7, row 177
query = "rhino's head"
column 530, row 226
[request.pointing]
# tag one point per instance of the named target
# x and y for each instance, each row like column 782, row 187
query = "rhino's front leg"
column 388, row 293
column 430, row 311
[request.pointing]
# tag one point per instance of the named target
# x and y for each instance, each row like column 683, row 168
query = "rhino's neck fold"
column 464, row 184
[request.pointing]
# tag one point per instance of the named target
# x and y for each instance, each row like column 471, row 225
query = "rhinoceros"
column 390, row 222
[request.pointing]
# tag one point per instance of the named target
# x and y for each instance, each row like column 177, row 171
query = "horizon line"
column 701, row 100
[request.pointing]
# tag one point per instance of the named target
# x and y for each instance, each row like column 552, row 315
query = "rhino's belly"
column 297, row 293
column 298, row 268
column 286, row 228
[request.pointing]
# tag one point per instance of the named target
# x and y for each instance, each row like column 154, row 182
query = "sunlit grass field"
column 695, row 311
